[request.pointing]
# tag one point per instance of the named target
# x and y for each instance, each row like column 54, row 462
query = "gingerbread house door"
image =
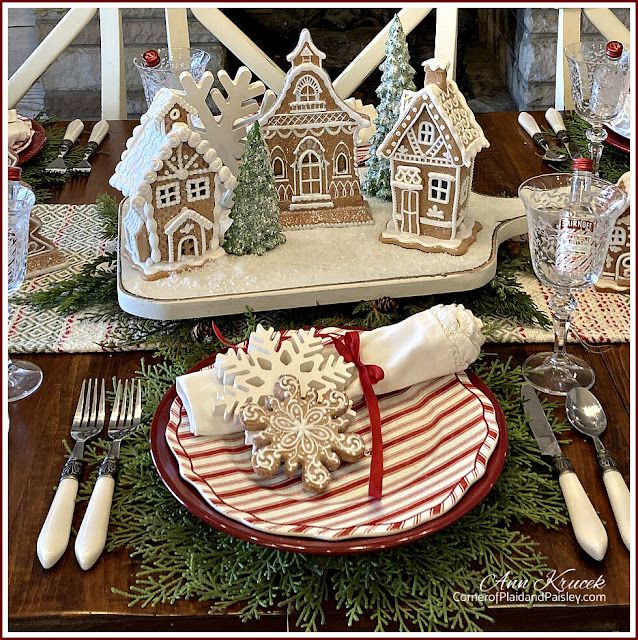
column 186, row 233
column 310, row 174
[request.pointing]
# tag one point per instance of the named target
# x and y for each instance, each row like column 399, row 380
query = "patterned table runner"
column 600, row 318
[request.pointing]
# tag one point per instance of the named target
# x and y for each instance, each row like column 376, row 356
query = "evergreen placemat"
column 410, row 587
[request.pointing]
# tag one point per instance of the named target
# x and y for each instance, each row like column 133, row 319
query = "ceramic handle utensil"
column 586, row 415
column 588, row 529
column 533, row 130
column 98, row 133
column 71, row 134
column 556, row 122
column 125, row 417
column 87, row 423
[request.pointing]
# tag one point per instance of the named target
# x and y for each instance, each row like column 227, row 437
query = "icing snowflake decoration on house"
column 178, row 193
column 310, row 133
column 432, row 149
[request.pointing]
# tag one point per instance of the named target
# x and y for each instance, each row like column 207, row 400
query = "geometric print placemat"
column 600, row 317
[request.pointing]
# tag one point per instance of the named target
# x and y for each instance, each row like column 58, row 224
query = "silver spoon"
column 587, row 416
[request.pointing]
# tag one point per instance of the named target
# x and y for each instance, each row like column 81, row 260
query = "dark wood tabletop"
column 65, row 598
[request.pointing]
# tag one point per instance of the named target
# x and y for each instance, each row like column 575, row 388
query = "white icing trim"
column 435, row 64
column 429, row 242
column 186, row 214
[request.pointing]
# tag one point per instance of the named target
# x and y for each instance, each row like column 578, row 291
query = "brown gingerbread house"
column 617, row 269
column 431, row 150
column 178, row 193
column 310, row 134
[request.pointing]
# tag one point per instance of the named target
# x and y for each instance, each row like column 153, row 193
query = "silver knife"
column 588, row 528
column 557, row 124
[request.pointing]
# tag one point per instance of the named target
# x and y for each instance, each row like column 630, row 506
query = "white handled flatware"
column 98, row 133
column 125, row 417
column 586, row 415
column 588, row 529
column 532, row 129
column 71, row 134
column 556, row 122
column 87, row 423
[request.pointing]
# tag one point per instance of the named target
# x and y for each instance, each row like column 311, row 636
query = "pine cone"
column 202, row 331
column 386, row 305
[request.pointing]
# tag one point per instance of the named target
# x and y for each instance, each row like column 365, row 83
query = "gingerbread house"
column 432, row 149
column 178, row 193
column 616, row 272
column 310, row 133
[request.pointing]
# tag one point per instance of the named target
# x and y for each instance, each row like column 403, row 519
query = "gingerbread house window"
column 167, row 195
column 426, row 133
column 307, row 90
column 465, row 189
column 439, row 187
column 198, row 189
column 278, row 168
column 618, row 237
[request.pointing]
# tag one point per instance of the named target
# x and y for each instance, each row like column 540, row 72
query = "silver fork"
column 125, row 417
column 87, row 423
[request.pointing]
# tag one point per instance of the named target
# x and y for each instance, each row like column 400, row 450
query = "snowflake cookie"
column 301, row 431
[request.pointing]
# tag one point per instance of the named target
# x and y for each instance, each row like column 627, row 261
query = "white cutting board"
column 324, row 266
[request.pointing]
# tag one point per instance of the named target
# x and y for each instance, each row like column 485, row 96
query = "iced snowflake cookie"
column 301, row 432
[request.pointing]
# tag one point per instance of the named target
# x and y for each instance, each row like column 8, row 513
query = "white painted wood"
column 177, row 28
column 588, row 528
column 112, row 56
column 335, row 268
column 242, row 46
column 47, row 52
column 568, row 33
column 609, row 25
column 446, row 35
column 372, row 55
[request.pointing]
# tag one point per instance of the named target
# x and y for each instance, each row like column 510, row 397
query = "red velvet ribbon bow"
column 348, row 346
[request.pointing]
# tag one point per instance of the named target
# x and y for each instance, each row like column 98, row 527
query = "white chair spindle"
column 112, row 56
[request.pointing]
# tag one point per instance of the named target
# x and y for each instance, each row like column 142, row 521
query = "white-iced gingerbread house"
column 431, row 149
column 310, row 133
column 178, row 193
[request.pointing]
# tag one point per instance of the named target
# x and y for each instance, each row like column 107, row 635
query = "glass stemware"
column 23, row 377
column 568, row 247
column 171, row 63
column 599, row 85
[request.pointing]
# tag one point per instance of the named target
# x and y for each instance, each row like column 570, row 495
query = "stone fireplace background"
column 506, row 57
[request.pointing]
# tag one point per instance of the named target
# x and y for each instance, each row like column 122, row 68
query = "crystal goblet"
column 568, row 246
column 599, row 86
column 23, row 377
column 172, row 61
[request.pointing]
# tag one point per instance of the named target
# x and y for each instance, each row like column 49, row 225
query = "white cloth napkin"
column 19, row 134
column 430, row 344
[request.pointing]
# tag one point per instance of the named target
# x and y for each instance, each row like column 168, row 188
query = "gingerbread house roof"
column 300, row 69
column 446, row 105
column 305, row 43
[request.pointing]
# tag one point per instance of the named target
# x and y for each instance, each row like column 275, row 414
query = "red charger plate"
column 37, row 142
column 617, row 141
column 189, row 497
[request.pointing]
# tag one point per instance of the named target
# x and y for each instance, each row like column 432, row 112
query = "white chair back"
column 112, row 50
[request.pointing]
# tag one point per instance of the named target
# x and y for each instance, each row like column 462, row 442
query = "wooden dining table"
column 66, row 598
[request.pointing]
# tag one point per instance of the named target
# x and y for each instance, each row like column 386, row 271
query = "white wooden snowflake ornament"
column 244, row 377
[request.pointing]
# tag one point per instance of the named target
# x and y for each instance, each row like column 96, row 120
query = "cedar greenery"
column 33, row 171
column 407, row 588
column 613, row 162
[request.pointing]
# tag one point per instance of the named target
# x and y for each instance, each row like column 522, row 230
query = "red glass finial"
column 151, row 58
column 613, row 49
